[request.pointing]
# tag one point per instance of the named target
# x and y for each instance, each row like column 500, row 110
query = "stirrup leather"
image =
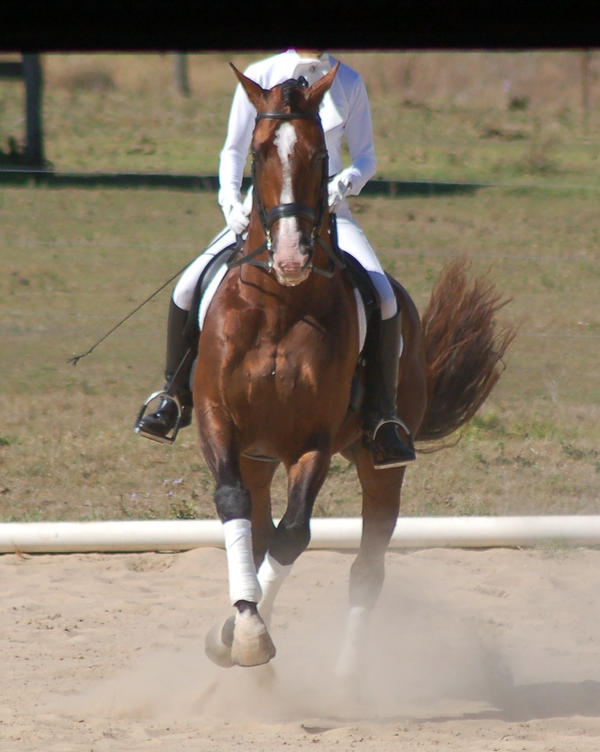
column 161, row 394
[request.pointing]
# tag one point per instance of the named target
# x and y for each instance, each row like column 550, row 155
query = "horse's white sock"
column 271, row 575
column 243, row 582
column 353, row 641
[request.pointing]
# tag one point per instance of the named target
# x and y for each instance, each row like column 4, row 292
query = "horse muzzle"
column 292, row 273
column 292, row 265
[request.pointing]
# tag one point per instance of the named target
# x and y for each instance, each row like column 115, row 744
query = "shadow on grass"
column 15, row 170
column 15, row 158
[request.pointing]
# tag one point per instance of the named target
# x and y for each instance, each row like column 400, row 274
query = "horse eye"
column 302, row 82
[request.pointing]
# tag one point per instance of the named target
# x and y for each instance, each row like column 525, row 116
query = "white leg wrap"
column 243, row 582
column 270, row 576
column 353, row 641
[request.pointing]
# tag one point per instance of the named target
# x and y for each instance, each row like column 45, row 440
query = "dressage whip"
column 76, row 358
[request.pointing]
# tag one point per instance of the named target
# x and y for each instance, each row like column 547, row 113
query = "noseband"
column 292, row 209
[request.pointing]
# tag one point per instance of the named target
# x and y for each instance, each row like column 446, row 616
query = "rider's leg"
column 387, row 435
column 158, row 425
column 180, row 355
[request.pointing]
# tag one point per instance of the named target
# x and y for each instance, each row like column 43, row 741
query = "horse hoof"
column 252, row 644
column 217, row 644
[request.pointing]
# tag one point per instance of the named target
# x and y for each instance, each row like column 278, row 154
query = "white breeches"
column 353, row 240
column 350, row 238
column 183, row 294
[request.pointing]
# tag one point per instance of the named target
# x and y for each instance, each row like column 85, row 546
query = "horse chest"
column 273, row 353
column 280, row 367
column 282, row 364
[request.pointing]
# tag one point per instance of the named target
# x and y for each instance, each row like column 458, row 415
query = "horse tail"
column 464, row 349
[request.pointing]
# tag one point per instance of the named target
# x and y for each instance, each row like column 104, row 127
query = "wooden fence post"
column 585, row 87
column 32, row 71
column 181, row 74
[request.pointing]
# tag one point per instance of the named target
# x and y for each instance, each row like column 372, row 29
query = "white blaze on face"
column 289, row 236
column 285, row 140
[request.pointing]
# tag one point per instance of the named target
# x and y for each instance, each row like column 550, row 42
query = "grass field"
column 446, row 115
column 74, row 261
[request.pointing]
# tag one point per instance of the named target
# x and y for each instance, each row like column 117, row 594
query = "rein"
column 292, row 209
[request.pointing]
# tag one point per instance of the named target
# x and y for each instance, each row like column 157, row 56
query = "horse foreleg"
column 381, row 503
column 258, row 477
column 271, row 577
column 292, row 535
column 305, row 478
column 243, row 639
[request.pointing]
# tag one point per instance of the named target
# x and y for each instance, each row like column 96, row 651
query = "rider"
column 344, row 112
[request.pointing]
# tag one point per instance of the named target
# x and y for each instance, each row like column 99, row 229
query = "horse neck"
column 256, row 236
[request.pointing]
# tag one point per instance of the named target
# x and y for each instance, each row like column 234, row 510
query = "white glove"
column 337, row 189
column 236, row 216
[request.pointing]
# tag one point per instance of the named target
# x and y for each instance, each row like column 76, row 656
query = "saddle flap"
column 361, row 281
column 206, row 287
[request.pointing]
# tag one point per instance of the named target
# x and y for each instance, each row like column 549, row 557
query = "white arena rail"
column 327, row 533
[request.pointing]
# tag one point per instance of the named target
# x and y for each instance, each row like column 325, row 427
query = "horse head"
column 289, row 173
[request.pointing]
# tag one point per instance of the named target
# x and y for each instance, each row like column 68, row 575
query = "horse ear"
column 317, row 91
column 256, row 94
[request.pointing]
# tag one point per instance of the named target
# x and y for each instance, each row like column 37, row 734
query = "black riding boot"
column 175, row 408
column 388, row 437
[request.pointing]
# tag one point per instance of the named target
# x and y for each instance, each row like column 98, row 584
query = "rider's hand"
column 337, row 189
column 236, row 216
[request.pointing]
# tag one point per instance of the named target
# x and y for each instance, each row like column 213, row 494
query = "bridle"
column 292, row 209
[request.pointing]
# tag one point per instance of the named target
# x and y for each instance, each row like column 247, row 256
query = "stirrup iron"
column 162, row 395
column 397, row 421
column 402, row 456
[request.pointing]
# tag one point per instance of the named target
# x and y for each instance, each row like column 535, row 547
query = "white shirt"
column 344, row 111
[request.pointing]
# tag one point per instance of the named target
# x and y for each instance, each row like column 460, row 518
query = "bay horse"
column 279, row 351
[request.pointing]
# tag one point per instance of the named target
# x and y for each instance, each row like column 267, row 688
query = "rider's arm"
column 358, row 131
column 234, row 154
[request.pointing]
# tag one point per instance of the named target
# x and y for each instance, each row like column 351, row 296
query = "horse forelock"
column 292, row 93
column 290, row 96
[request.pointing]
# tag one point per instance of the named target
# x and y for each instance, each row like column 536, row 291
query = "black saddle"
column 360, row 279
